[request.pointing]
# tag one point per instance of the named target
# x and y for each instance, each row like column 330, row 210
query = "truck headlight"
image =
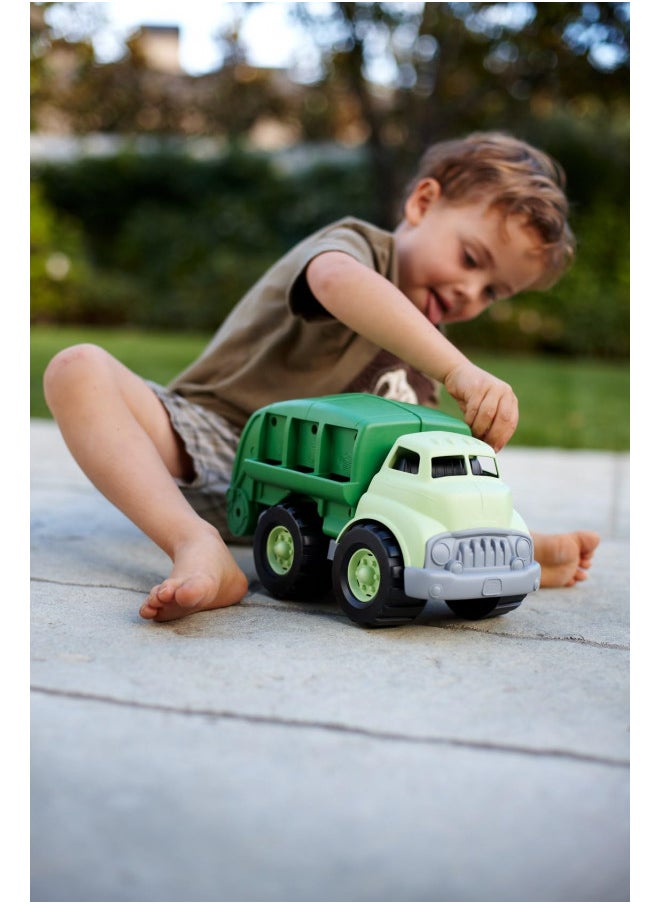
column 440, row 553
column 524, row 549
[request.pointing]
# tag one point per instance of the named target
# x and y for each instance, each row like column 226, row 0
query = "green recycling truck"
column 392, row 504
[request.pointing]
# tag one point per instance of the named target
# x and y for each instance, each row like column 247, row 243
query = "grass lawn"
column 563, row 403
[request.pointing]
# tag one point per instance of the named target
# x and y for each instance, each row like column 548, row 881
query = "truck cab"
column 441, row 498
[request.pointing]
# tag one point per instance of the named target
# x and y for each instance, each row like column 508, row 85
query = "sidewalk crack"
column 338, row 727
column 38, row 580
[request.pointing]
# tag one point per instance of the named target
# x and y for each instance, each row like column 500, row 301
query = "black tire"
column 475, row 610
column 301, row 569
column 378, row 601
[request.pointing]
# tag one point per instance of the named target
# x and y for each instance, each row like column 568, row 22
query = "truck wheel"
column 291, row 552
column 474, row 610
column 367, row 576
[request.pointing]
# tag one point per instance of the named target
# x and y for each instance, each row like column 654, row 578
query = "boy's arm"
column 372, row 306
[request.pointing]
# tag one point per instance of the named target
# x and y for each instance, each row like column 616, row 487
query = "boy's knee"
column 70, row 364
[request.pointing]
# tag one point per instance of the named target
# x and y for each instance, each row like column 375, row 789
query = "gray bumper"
column 441, row 584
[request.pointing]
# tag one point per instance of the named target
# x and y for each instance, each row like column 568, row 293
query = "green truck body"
column 401, row 499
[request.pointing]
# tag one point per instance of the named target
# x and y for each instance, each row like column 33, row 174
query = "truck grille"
column 483, row 552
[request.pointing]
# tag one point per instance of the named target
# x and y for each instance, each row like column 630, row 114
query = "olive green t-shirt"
column 279, row 343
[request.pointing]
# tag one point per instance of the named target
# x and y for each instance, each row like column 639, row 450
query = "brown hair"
column 520, row 179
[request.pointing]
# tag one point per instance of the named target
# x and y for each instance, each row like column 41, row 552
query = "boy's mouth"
column 436, row 308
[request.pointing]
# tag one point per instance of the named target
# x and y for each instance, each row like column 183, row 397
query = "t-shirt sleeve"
column 301, row 299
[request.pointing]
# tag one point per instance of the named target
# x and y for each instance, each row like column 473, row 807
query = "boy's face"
column 457, row 259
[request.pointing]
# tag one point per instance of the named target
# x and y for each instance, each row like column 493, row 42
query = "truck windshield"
column 456, row 466
column 448, row 466
column 406, row 461
column 483, row 466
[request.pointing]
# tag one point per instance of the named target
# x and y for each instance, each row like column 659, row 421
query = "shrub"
column 65, row 287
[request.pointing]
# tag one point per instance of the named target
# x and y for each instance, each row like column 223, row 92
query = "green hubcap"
column 363, row 575
column 279, row 550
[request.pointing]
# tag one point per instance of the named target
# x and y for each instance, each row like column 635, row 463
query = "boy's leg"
column 564, row 558
column 121, row 436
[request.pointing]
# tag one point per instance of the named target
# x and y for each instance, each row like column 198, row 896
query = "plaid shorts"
column 211, row 442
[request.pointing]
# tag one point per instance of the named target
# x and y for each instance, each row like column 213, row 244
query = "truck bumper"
column 478, row 583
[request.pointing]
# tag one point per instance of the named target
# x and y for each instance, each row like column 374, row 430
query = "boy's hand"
column 489, row 405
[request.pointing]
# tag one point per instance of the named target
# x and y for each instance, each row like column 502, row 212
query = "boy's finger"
column 498, row 437
column 497, row 419
column 485, row 414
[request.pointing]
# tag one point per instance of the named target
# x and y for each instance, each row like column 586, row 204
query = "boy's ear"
column 424, row 194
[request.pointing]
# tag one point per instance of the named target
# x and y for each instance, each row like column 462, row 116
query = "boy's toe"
column 147, row 610
column 165, row 592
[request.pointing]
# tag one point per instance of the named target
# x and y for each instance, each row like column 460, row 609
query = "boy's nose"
column 469, row 291
column 468, row 299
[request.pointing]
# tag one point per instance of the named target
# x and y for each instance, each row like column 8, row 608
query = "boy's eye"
column 491, row 293
column 469, row 260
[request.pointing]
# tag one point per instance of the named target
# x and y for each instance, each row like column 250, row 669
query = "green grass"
column 569, row 404
column 153, row 355
column 563, row 403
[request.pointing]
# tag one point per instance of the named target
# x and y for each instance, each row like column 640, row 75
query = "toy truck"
column 392, row 504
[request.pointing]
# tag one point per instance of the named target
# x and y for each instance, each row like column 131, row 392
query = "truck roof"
column 443, row 443
column 357, row 409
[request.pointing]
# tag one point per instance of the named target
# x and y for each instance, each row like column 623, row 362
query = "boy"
column 350, row 308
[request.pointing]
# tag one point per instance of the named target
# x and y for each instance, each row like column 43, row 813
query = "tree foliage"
column 401, row 74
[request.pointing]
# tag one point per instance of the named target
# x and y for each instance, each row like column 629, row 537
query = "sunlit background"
column 269, row 35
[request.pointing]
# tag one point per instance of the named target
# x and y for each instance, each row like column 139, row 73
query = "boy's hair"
column 520, row 180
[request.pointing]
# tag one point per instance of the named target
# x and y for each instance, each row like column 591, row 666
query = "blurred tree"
column 395, row 76
column 52, row 60
column 71, row 92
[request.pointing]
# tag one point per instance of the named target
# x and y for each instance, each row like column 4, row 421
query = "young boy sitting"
column 351, row 308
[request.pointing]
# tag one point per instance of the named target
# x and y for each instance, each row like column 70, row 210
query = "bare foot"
column 564, row 558
column 204, row 576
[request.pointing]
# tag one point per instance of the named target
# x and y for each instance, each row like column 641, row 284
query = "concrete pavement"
column 276, row 752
